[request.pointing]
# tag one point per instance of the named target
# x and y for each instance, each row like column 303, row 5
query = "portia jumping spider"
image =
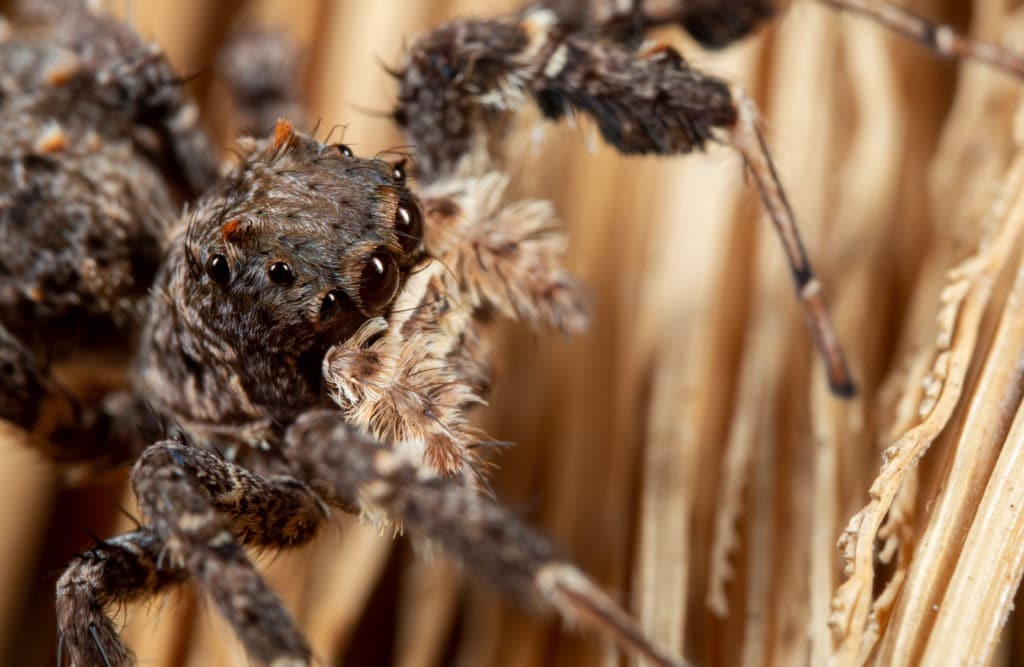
column 310, row 327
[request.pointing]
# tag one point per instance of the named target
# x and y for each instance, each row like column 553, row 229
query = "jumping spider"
column 310, row 328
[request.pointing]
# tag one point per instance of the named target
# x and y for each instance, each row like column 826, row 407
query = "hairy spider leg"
column 941, row 39
column 204, row 508
column 649, row 102
column 749, row 141
column 719, row 23
column 111, row 573
column 347, row 470
column 200, row 511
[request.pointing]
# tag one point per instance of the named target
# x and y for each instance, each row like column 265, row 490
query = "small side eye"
column 281, row 273
column 344, row 150
column 398, row 171
column 331, row 304
column 334, row 303
column 409, row 224
column 378, row 282
column 218, row 269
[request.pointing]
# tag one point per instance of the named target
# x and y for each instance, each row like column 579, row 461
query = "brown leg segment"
column 939, row 38
column 197, row 503
column 647, row 102
column 113, row 572
column 748, row 140
column 348, row 470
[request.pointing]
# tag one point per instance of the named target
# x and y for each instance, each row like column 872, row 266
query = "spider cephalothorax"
column 290, row 254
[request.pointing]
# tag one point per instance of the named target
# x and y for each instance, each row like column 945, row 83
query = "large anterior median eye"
column 378, row 281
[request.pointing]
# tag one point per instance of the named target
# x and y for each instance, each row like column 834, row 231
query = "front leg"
column 203, row 508
column 348, row 469
column 112, row 573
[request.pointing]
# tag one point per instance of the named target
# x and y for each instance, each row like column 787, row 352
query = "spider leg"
column 30, row 398
column 749, row 141
column 135, row 77
column 148, row 84
column 941, row 39
column 348, row 469
column 211, row 495
column 204, row 508
column 58, row 426
column 714, row 23
column 113, row 572
column 718, row 23
column 650, row 102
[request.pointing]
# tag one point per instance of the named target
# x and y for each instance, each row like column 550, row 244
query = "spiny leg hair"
column 204, row 508
column 719, row 23
column 113, row 572
column 462, row 75
column 201, row 509
column 348, row 469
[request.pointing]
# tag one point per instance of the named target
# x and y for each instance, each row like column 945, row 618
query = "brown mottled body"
column 97, row 139
column 92, row 120
column 289, row 254
column 83, row 211
column 307, row 272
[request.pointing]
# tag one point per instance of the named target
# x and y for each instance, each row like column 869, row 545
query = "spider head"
column 298, row 246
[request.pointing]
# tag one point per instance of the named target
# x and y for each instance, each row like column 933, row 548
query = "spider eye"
column 344, row 150
column 378, row 281
column 409, row 224
column 331, row 304
column 218, row 270
column 398, row 171
column 281, row 273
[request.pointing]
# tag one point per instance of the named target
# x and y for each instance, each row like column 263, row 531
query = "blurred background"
column 685, row 452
